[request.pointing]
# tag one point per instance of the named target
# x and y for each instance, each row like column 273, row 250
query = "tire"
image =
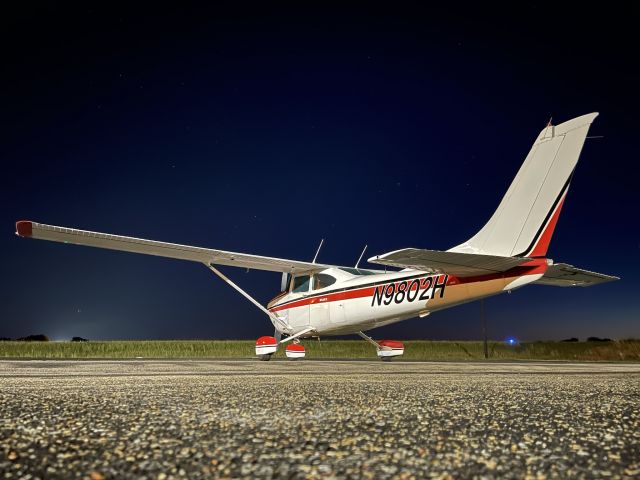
column 386, row 359
column 265, row 358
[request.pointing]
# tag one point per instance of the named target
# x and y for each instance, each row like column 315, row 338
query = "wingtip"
column 24, row 228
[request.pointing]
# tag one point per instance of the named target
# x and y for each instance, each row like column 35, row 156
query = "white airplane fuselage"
column 368, row 300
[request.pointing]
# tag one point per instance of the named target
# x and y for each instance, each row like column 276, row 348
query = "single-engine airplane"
column 316, row 300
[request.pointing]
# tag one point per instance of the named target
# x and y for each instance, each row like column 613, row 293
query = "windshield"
column 301, row 284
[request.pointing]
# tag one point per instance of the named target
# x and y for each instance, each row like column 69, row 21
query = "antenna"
column 552, row 126
column 318, row 251
column 360, row 258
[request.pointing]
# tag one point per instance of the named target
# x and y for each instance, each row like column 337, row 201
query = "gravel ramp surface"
column 316, row 419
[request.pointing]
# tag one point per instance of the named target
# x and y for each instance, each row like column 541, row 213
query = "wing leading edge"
column 25, row 228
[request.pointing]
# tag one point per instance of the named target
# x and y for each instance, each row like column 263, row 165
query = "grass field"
column 626, row 350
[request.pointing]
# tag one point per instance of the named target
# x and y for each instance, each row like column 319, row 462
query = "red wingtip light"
column 24, row 228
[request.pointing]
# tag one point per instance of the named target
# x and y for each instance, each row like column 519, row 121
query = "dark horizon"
column 263, row 131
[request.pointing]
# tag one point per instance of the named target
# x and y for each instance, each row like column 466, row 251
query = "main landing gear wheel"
column 294, row 351
column 387, row 349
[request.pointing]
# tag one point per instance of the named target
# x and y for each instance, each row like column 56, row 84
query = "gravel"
column 163, row 420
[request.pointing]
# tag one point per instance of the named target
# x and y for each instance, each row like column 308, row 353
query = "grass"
column 625, row 350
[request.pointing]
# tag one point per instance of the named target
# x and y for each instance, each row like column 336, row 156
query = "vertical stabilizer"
column 526, row 217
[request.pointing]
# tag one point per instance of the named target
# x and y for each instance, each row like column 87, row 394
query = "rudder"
column 525, row 220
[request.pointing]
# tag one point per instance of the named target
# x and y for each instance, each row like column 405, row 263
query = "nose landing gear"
column 265, row 347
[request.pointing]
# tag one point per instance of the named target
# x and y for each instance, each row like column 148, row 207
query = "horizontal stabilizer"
column 25, row 228
column 564, row 275
column 453, row 263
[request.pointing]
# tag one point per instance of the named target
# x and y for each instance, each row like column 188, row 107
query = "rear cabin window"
column 357, row 271
column 301, row 284
column 322, row 280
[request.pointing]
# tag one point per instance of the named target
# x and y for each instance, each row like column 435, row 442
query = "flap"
column 453, row 263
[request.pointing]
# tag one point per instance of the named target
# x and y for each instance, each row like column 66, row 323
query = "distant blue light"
column 512, row 341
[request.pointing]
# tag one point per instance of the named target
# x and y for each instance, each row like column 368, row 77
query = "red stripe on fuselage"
column 330, row 297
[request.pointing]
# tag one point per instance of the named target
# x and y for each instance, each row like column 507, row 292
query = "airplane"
column 317, row 300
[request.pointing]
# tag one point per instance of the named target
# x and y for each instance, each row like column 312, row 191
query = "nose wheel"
column 265, row 347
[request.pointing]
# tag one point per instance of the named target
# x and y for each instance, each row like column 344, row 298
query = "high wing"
column 25, row 228
column 454, row 263
column 564, row 275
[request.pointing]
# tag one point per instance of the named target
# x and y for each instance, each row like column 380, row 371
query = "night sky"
column 263, row 131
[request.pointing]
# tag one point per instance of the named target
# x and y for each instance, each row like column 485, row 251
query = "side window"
column 301, row 284
column 322, row 280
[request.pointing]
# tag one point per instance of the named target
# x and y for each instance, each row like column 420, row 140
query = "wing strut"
column 274, row 318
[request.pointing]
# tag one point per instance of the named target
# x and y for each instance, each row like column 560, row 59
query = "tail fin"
column 526, row 217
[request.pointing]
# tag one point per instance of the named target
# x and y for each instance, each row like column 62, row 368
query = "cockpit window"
column 301, row 284
column 357, row 271
column 322, row 280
